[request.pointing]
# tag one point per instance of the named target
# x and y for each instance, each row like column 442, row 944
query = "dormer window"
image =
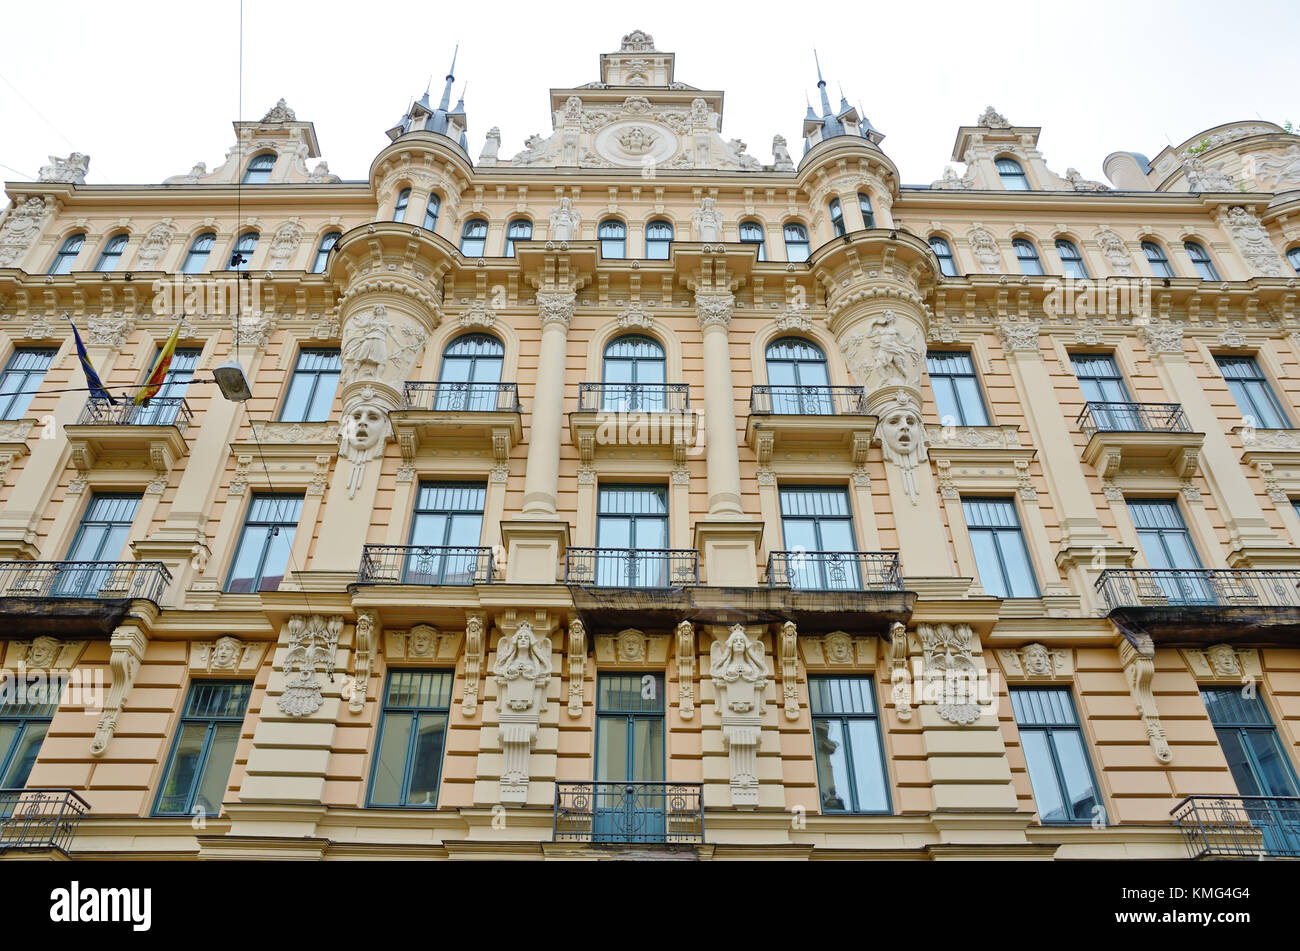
column 259, row 169
column 1012, row 175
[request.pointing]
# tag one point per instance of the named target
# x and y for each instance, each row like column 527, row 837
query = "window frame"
column 837, row 217
column 1019, row 245
column 1009, row 168
column 868, row 213
column 960, row 416
column 112, row 252
column 275, row 527
column 1262, row 384
column 951, row 270
column 205, row 756
column 316, row 374
column 19, row 396
column 257, row 166
column 511, row 237
column 414, row 713
column 69, row 250
column 762, row 236
column 843, row 717
column 659, row 248
column 25, row 715
column 432, row 209
column 1242, row 729
column 605, row 234
column 468, row 241
column 245, row 246
column 611, row 715
column 1073, row 265
column 1159, row 263
column 1203, row 265
column 1293, row 257
column 401, row 205
column 802, row 241
column 1050, row 730
column 321, row 260
column 196, row 258
column 996, row 531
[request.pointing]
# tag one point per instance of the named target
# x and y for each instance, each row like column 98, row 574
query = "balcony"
column 812, row 418
column 38, row 820
column 830, row 590
column 1202, row 606
column 1147, row 436
column 77, row 598
column 634, row 398
column 632, row 567
column 613, row 416
column 1249, row 827
column 473, row 416
column 151, row 437
column 629, row 813
column 834, row 570
column 429, row 565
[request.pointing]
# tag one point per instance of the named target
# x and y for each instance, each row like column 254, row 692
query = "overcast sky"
column 147, row 89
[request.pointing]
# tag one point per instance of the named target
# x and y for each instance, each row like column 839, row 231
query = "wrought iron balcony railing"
column 102, row 580
column 1240, row 826
column 425, row 564
column 1133, row 418
column 1135, row 588
column 834, row 570
column 632, row 567
column 461, row 397
column 38, row 819
column 630, row 813
column 807, row 401
column 161, row 411
column 634, row 397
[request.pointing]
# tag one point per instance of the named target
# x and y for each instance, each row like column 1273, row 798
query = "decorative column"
column 740, row 673
column 523, row 676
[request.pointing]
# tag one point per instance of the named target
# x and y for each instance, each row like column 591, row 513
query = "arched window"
column 403, row 199
column 658, row 238
column 613, row 239
column 521, row 229
column 796, row 242
column 111, row 256
column 1157, row 259
column 1294, row 257
column 471, row 370
column 259, row 169
column 67, row 255
column 837, row 218
column 196, row 259
column 242, row 256
column 943, row 251
column 797, row 378
column 634, row 373
column 327, row 243
column 431, row 209
column 473, row 238
column 1201, row 261
column 1027, row 254
column 868, row 216
column 1071, row 260
column 751, row 232
column 1012, row 175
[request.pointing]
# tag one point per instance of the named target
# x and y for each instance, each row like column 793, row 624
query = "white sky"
column 149, row 88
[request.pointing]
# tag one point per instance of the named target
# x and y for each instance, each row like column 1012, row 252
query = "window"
column 864, row 205
column 1012, row 175
column 846, row 737
column 658, row 240
column 631, row 519
column 412, row 738
column 1254, row 396
column 473, row 238
column 817, row 529
column 403, row 199
column 1001, row 557
column 521, row 229
column 22, row 377
column 165, row 405
column 796, row 242
column 1027, row 255
column 1071, row 260
column 956, row 389
column 23, row 726
column 629, row 749
column 798, row 378
column 943, row 251
column 751, row 232
column 111, row 256
column 634, row 374
column 263, row 554
column 1256, row 756
column 67, row 255
column 1201, row 261
column 1294, row 257
column 1059, row 771
column 311, row 390
column 242, row 256
column 196, row 259
column 198, row 769
column 1156, row 258
column 101, row 537
column 471, row 368
column 1102, row 385
column 431, row 209
column 1168, row 549
column 613, row 239
column 837, row 218
column 445, row 534
column 323, row 252
column 259, row 169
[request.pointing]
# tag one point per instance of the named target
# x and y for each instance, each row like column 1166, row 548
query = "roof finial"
column 451, row 73
column 820, row 82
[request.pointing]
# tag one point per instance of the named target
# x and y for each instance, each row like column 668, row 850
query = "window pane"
column 185, row 766
column 1042, row 776
column 1080, row 794
column 1276, row 776
column 427, row 765
column 647, row 749
column 1015, row 560
column 987, row 564
column 390, row 762
column 216, row 773
column 25, row 750
column 833, row 779
column 611, row 749
column 868, row 766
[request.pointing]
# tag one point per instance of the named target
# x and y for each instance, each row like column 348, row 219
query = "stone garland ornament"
column 313, row 641
column 950, row 671
column 522, row 674
column 740, row 672
column 902, row 439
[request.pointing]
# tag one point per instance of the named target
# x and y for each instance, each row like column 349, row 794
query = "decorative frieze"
column 1161, row 338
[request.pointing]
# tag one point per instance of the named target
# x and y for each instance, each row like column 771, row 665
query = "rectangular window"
column 21, row 379
column 1168, row 549
column 632, row 535
column 101, row 537
column 629, row 749
column 1256, row 756
column 846, row 736
column 198, row 769
column 1001, row 556
column 1254, row 396
column 956, row 389
column 311, row 390
column 1103, row 387
column 164, row 406
column 1059, row 771
column 23, row 726
column 817, row 529
column 412, row 738
column 445, row 534
column 264, row 546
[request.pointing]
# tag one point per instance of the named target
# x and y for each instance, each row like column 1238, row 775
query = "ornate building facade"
column 636, row 493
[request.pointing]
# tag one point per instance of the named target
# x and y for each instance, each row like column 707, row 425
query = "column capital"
column 715, row 309
column 556, row 307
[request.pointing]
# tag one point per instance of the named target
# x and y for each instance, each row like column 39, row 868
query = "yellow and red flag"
column 159, row 372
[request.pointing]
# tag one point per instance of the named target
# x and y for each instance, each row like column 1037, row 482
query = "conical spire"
column 443, row 119
column 846, row 120
column 451, row 78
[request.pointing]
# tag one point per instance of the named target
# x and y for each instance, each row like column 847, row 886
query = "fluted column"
column 542, row 475
column 721, row 451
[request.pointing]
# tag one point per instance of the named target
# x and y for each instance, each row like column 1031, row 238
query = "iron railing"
column 632, row 567
column 634, row 397
column 425, row 564
column 1135, row 588
column 630, row 813
column 835, row 570
column 807, row 401
column 1133, row 418
column 461, row 397
column 1240, row 826
column 161, row 411
column 104, row 580
column 39, row 818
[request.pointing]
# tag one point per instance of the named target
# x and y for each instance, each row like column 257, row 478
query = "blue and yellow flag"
column 158, row 374
column 93, row 382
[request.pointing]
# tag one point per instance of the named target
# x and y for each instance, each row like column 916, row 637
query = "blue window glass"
column 196, row 259
column 1157, row 259
column 751, row 232
column 798, row 378
column 198, row 769
column 634, row 373
column 1027, row 255
column 67, row 255
column 1201, row 261
column 658, row 240
column 943, row 251
column 629, row 749
column 101, row 537
column 263, row 554
column 837, row 218
column 1012, row 175
column 817, row 522
column 1293, row 256
column 1101, row 383
column 613, row 239
column 1056, row 755
column 471, row 366
column 956, row 389
column 111, row 256
column 851, row 773
column 473, row 238
column 259, row 169
column 521, row 229
column 864, row 205
column 165, row 405
column 242, row 257
column 796, row 242
column 1254, row 396
column 1256, row 756
column 1001, row 556
column 399, row 209
column 21, row 379
column 631, row 519
column 445, row 533
column 327, row 243
column 431, row 209
column 1167, row 547
column 1071, row 260
column 412, row 739
column 23, row 726
column 311, row 390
